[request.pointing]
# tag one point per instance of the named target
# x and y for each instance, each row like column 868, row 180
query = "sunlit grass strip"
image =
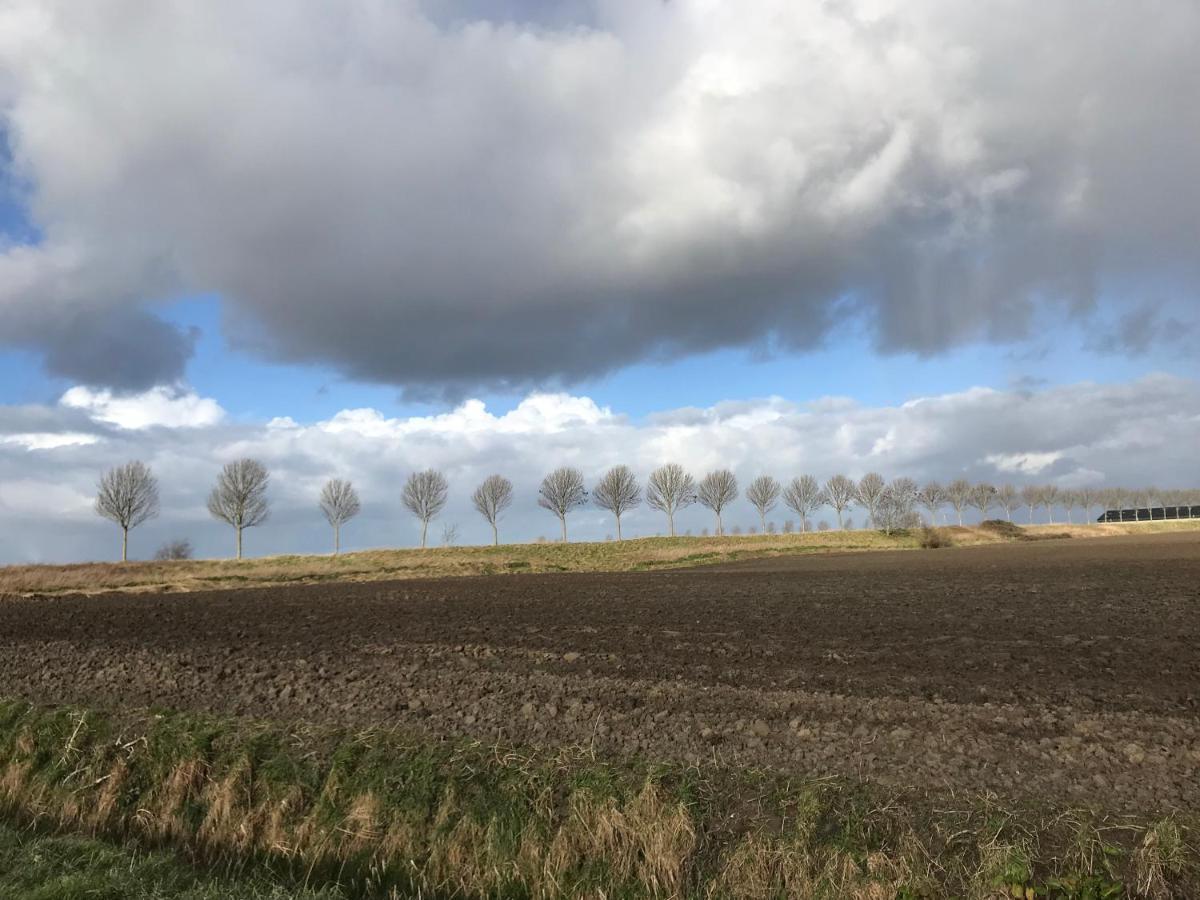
column 642, row 554
column 375, row 813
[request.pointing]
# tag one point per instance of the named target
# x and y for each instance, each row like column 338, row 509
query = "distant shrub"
column 935, row 538
column 752, row 530
column 704, row 532
column 737, row 529
column 771, row 528
column 1004, row 528
column 824, row 526
column 788, row 526
column 177, row 549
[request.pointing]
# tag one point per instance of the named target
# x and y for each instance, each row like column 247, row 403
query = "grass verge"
column 377, row 814
column 642, row 554
column 37, row 866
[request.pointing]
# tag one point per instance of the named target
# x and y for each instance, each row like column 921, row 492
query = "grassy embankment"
column 267, row 812
column 608, row 556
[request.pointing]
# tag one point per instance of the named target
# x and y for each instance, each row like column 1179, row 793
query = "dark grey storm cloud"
column 418, row 195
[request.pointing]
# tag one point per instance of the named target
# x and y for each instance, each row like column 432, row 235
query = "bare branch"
column 983, row 498
column 425, row 496
column 492, row 498
column 669, row 490
column 618, row 492
column 562, row 491
column 240, row 496
column 804, row 495
column 763, row 493
column 339, row 503
column 127, row 495
column 868, row 491
column 958, row 493
column 717, row 490
column 840, row 493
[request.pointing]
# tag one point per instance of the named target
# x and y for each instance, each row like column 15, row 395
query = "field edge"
column 375, row 812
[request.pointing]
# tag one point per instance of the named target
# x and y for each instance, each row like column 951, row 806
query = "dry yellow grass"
column 607, row 556
column 384, row 815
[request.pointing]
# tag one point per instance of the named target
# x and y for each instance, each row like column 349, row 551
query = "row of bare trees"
column 128, row 495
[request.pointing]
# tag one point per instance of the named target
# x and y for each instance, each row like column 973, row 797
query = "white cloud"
column 48, row 440
column 1141, row 432
column 160, row 406
column 1023, row 463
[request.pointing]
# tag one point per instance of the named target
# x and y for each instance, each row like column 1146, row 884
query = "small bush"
column 1003, row 528
column 177, row 549
column 935, row 538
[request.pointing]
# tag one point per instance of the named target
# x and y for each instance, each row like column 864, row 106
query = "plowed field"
column 1060, row 670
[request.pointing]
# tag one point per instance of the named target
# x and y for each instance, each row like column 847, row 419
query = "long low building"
column 1156, row 513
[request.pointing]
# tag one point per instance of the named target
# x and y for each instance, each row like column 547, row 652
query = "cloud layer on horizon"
column 1141, row 432
column 444, row 202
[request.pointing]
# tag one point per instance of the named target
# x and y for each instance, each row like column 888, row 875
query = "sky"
column 929, row 239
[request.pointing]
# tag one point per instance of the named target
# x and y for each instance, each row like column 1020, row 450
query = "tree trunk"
column 563, row 519
column 841, row 527
column 495, row 535
column 762, row 518
column 337, row 540
column 618, row 528
column 424, row 528
column 239, row 542
column 124, row 545
column 671, row 523
column 959, row 511
column 720, row 527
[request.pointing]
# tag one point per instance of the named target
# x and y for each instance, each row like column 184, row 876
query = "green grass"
column 263, row 810
column 35, row 866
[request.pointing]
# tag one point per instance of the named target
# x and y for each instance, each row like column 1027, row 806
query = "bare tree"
column 868, row 491
column 983, row 498
column 618, row 492
column 803, row 495
column 958, row 493
column 1030, row 498
column 894, row 506
column 492, row 498
column 933, row 498
column 449, row 534
column 669, row 489
column 717, row 490
column 1006, row 496
column 240, row 496
column 180, row 548
column 425, row 496
column 562, row 491
column 763, row 494
column 127, row 495
column 1069, row 499
column 840, row 493
column 1117, row 499
column 1048, row 495
column 1088, row 498
column 339, row 503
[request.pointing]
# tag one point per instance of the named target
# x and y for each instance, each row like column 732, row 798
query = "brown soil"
column 1061, row 670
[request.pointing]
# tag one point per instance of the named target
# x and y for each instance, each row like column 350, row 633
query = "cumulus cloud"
column 1135, row 433
column 170, row 407
column 416, row 194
